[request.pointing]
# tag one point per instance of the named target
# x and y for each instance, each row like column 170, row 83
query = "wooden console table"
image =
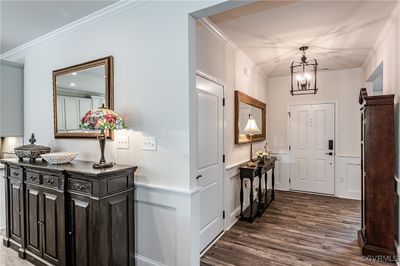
column 265, row 197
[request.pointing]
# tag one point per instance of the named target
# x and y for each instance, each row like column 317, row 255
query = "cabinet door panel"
column 15, row 210
column 120, row 217
column 50, row 213
column 80, row 212
column 33, row 220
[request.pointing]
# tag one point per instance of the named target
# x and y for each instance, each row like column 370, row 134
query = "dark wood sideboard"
column 264, row 196
column 70, row 214
column 377, row 234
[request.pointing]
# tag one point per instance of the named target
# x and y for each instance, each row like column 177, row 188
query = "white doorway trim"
column 335, row 151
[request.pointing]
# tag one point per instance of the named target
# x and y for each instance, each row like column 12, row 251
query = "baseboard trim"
column 212, row 243
column 146, row 261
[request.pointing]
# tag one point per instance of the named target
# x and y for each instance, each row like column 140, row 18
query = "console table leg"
column 259, row 189
column 241, row 197
column 273, row 182
column 251, row 197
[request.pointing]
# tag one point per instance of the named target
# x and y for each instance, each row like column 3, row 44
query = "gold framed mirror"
column 78, row 89
column 246, row 105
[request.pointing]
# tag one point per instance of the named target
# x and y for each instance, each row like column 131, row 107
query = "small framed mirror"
column 246, row 105
column 78, row 89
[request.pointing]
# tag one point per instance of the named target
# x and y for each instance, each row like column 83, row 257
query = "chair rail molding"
column 166, row 222
column 104, row 13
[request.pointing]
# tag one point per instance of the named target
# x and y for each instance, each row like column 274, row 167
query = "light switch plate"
column 149, row 144
column 122, row 142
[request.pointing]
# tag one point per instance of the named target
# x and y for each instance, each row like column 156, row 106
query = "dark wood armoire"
column 377, row 233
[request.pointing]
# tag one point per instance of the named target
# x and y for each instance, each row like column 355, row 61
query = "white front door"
column 312, row 150
column 209, row 159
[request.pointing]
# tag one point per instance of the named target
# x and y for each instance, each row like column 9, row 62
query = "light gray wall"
column 11, row 99
column 150, row 45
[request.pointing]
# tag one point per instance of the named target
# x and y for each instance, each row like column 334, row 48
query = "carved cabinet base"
column 71, row 214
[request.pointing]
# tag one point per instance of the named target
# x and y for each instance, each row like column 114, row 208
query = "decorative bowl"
column 59, row 157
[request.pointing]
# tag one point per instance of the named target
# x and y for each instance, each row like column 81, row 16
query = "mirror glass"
column 245, row 111
column 246, row 105
column 78, row 90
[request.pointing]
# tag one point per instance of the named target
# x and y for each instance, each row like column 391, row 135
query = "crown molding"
column 214, row 29
column 111, row 10
column 208, row 24
column 389, row 22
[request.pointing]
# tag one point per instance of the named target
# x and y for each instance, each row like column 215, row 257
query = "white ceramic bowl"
column 59, row 157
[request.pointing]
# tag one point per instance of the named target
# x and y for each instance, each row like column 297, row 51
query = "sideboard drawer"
column 81, row 186
column 32, row 177
column 50, row 181
column 15, row 172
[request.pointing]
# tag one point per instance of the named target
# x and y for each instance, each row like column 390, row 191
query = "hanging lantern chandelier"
column 304, row 75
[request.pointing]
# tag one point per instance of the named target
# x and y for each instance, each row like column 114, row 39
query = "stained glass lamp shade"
column 102, row 119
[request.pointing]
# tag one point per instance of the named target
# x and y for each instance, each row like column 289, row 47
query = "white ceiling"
column 339, row 34
column 23, row 21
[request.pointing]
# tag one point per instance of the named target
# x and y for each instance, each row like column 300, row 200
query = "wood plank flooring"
column 297, row 229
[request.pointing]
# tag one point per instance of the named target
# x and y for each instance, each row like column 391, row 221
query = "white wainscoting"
column 348, row 176
column 232, row 195
column 281, row 171
column 167, row 226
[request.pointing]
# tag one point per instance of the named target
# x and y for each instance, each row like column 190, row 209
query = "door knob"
column 329, row 153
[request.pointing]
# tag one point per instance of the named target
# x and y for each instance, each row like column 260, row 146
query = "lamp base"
column 102, row 165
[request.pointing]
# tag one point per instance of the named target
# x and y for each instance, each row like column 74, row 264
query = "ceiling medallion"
column 304, row 75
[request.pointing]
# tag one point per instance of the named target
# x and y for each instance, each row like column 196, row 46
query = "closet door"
column 85, row 105
column 71, row 114
column 61, row 113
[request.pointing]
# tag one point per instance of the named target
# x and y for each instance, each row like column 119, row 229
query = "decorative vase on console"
column 268, row 153
column 261, row 155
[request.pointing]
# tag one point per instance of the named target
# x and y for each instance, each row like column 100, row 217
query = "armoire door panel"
column 33, row 221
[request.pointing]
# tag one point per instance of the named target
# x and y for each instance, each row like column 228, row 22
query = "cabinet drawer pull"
column 79, row 187
column 50, row 181
column 32, row 177
column 15, row 173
